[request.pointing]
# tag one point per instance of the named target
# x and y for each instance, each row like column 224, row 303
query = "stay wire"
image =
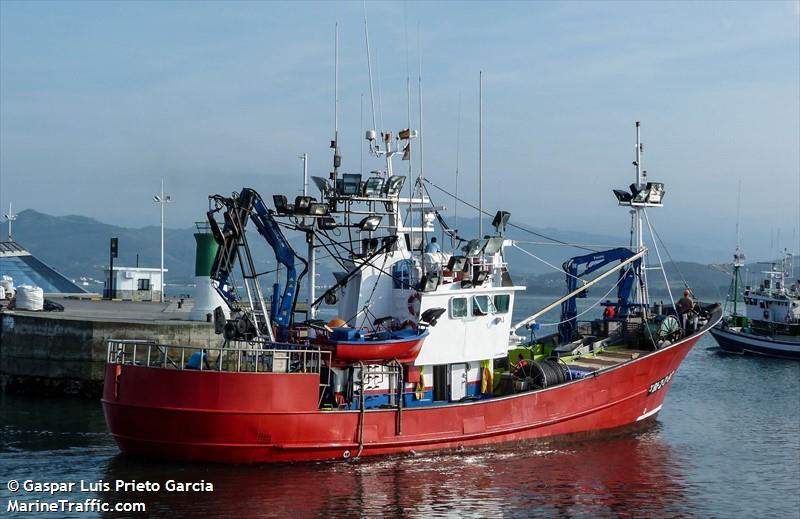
column 534, row 256
column 487, row 213
column 365, row 309
column 660, row 262
column 352, row 252
column 664, row 245
column 604, row 296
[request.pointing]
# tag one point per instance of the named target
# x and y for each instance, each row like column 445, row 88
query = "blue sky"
column 99, row 101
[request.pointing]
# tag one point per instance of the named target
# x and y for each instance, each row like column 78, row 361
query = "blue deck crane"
column 592, row 262
column 232, row 241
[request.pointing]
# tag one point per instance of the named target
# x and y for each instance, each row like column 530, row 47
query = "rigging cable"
column 534, row 256
column 366, row 261
column 658, row 254
column 685, row 284
column 556, row 240
column 604, row 296
column 368, row 301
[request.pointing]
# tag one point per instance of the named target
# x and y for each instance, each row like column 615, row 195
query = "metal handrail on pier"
column 235, row 357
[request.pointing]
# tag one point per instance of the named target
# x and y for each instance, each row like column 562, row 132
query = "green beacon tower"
column 206, row 298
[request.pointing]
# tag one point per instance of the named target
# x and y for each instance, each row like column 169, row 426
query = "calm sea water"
column 726, row 444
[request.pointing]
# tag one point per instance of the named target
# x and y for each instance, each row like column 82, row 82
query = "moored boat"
column 770, row 325
column 424, row 354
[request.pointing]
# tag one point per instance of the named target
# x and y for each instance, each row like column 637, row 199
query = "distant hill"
column 79, row 246
column 708, row 282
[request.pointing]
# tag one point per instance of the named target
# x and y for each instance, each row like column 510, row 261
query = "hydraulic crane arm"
column 232, row 242
column 592, row 262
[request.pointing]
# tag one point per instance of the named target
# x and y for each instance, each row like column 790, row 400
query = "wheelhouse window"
column 482, row 305
column 458, row 307
column 501, row 303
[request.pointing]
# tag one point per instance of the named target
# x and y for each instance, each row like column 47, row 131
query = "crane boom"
column 233, row 246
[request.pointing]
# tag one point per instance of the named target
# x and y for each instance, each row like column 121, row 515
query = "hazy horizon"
column 100, row 101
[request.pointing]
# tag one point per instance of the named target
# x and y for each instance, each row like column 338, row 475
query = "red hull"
column 241, row 417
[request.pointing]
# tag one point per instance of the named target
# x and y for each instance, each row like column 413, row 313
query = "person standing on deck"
column 684, row 307
column 609, row 312
column 433, row 246
column 685, row 304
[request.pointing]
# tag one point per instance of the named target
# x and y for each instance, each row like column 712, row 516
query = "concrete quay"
column 64, row 353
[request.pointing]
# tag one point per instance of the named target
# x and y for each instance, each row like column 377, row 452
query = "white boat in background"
column 770, row 325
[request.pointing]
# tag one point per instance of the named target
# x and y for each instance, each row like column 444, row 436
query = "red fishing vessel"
column 423, row 354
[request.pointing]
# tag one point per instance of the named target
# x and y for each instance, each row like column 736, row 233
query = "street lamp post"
column 10, row 217
column 162, row 200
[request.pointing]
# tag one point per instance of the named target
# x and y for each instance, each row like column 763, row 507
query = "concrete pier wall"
column 58, row 354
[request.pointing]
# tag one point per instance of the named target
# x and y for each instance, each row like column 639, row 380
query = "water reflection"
column 626, row 476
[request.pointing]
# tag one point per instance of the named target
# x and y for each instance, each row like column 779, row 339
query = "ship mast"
column 642, row 194
column 641, row 293
column 738, row 256
column 337, row 161
column 312, row 253
column 480, row 155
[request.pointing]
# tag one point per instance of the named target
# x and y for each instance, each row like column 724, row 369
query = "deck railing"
column 235, row 357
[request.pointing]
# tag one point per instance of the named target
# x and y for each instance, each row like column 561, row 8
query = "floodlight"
column 456, row 263
column 302, row 204
column 370, row 223
column 350, row 184
column 327, row 223
column 321, row 183
column 501, row 221
column 373, row 187
column 652, row 193
column 493, row 244
column 394, row 185
column 281, row 204
column 623, row 197
column 370, row 135
column 318, row 209
column 475, row 247
column 656, row 192
column 414, row 242
column 369, row 245
column 480, row 277
column 216, row 232
column 430, row 281
column 431, row 316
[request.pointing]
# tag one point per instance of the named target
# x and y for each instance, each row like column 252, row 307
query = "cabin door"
column 440, row 383
column 458, row 381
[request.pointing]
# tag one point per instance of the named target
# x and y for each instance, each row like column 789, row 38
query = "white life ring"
column 414, row 303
